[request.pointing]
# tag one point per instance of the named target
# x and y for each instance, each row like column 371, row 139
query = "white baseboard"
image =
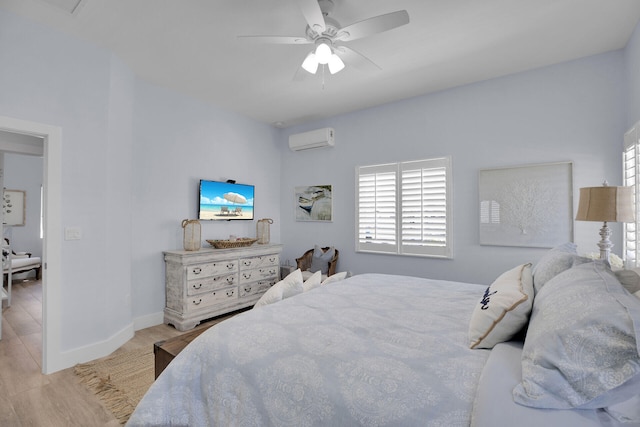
column 148, row 321
column 103, row 348
column 94, row 351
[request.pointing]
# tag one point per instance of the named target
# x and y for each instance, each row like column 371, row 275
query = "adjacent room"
column 324, row 197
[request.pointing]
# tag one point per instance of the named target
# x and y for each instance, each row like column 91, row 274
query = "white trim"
column 148, row 321
column 52, row 357
column 99, row 349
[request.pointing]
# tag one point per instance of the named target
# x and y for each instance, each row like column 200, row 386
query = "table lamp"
column 606, row 204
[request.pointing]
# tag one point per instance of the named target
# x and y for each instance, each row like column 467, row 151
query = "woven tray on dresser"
column 227, row 244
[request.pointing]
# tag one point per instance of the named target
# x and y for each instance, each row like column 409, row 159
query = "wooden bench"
column 165, row 351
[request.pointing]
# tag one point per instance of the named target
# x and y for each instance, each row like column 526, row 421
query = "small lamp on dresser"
column 605, row 204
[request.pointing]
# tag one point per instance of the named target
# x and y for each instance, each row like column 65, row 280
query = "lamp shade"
column 606, row 204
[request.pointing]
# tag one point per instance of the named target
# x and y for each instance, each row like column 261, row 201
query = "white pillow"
column 335, row 278
column 312, row 282
column 287, row 287
column 274, row 294
column 504, row 308
column 292, row 284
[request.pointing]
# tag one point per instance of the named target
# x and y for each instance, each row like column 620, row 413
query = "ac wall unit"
column 313, row 139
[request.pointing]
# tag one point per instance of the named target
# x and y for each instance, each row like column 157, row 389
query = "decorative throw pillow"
column 581, row 349
column 336, row 277
column 312, row 282
column 273, row 294
column 320, row 259
column 629, row 279
column 287, row 287
column 504, row 308
column 554, row 262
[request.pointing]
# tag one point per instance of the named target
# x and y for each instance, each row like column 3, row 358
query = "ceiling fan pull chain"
column 323, row 74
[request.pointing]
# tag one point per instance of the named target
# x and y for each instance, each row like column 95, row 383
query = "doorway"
column 51, row 136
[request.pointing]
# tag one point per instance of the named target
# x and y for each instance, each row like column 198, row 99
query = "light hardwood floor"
column 29, row 398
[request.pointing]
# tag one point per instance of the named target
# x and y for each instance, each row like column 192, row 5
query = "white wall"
column 569, row 112
column 179, row 141
column 632, row 78
column 131, row 157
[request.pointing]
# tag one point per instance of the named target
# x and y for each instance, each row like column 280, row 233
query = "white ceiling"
column 191, row 46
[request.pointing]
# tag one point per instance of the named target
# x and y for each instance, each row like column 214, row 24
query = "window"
column 631, row 178
column 404, row 208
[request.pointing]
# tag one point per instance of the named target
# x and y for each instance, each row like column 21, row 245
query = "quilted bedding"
column 375, row 350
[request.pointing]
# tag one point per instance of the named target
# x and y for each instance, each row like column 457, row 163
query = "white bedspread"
column 374, row 350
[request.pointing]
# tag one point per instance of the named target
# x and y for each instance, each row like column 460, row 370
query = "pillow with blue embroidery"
column 504, row 308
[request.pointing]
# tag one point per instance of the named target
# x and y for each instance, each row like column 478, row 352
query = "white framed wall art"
column 13, row 204
column 529, row 206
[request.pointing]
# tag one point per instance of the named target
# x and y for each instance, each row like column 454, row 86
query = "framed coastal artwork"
column 314, row 203
column 13, row 204
column 529, row 206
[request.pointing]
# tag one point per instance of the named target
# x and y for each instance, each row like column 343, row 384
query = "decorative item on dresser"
column 206, row 283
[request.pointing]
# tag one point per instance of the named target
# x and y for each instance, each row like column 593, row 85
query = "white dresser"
column 210, row 282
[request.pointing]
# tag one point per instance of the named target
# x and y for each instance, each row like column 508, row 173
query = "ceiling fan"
column 328, row 36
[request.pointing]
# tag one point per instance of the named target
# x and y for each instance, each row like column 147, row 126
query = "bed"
column 389, row 350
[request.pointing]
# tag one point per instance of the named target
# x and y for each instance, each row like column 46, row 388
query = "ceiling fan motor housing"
column 331, row 30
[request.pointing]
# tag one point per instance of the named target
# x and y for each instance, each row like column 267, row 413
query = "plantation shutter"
column 377, row 208
column 424, row 208
column 404, row 208
column 631, row 178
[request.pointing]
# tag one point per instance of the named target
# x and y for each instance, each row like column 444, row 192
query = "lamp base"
column 605, row 244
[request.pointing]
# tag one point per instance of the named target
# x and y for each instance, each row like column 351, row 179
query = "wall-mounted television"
column 225, row 201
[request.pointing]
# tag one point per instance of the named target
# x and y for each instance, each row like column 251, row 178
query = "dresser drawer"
column 206, row 284
column 202, row 301
column 247, row 276
column 211, row 269
column 255, row 287
column 259, row 261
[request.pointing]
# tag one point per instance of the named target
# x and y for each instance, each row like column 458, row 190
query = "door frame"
column 52, row 356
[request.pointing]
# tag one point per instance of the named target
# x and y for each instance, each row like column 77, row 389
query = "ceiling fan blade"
column 313, row 15
column 356, row 59
column 276, row 39
column 374, row 25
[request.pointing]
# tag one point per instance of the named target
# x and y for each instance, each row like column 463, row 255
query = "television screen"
column 225, row 201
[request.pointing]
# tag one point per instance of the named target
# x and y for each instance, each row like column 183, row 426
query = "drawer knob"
column 198, row 286
column 197, row 270
column 197, row 302
column 231, row 266
column 247, row 289
column 231, row 279
column 247, row 263
column 230, row 293
column 246, row 275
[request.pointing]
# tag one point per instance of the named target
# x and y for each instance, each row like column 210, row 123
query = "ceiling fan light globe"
column 323, row 53
column 310, row 63
column 335, row 64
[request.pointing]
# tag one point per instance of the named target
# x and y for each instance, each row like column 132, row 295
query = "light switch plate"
column 72, row 233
